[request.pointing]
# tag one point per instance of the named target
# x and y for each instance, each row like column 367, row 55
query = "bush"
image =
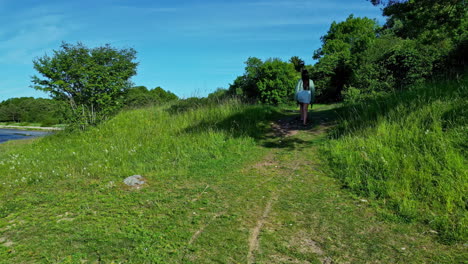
column 270, row 82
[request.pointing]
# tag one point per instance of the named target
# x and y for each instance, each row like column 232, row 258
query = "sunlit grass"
column 409, row 151
column 210, row 171
column 62, row 196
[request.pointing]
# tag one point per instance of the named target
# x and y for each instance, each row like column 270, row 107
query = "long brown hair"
column 305, row 79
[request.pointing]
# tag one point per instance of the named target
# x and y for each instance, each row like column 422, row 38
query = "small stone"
column 364, row 200
column 8, row 244
column 134, row 180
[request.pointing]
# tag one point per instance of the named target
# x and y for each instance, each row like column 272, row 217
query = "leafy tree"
column 298, row 63
column 92, row 80
column 277, row 81
column 427, row 20
column 341, row 53
column 251, row 77
column 439, row 25
column 245, row 85
column 270, row 82
column 139, row 96
column 162, row 95
column 405, row 65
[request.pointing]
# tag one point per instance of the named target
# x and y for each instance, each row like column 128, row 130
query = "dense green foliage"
column 359, row 58
column 341, row 54
column 430, row 21
column 91, row 80
column 420, row 39
column 140, row 96
column 409, row 150
column 271, row 82
column 31, row 110
column 298, row 63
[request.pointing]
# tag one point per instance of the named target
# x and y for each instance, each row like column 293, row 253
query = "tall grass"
column 62, row 197
column 409, row 150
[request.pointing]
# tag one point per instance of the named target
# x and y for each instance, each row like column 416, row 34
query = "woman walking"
column 305, row 92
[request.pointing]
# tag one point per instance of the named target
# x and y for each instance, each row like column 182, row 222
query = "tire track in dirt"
column 266, row 161
column 253, row 239
column 202, row 228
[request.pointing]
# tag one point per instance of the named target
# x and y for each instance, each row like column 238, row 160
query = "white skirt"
column 304, row 96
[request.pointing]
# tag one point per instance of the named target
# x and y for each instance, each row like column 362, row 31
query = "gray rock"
column 134, row 180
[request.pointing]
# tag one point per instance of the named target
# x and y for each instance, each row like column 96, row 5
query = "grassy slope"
column 409, row 151
column 214, row 177
column 63, row 195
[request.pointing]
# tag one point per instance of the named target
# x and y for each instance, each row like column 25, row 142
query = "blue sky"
column 188, row 47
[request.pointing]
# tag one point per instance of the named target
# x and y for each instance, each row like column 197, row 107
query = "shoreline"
column 30, row 128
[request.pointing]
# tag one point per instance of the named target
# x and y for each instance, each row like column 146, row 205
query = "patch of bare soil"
column 266, row 162
column 290, row 126
column 306, row 244
column 5, row 242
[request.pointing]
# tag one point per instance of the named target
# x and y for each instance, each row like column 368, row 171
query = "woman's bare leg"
column 305, row 108
column 302, row 111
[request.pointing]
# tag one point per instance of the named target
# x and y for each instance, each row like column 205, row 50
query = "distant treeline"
column 139, row 96
column 50, row 112
column 31, row 110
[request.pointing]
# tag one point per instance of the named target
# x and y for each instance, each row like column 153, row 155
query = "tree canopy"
column 420, row 39
column 92, row 80
column 140, row 96
column 270, row 82
column 340, row 54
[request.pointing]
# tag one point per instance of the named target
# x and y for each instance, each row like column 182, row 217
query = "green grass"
column 212, row 172
column 78, row 178
column 409, row 152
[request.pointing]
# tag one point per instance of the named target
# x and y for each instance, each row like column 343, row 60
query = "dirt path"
column 309, row 218
column 283, row 129
column 286, row 209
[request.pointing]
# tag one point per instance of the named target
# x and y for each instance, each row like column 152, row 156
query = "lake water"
column 13, row 134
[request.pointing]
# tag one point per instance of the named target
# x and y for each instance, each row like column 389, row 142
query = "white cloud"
column 26, row 34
